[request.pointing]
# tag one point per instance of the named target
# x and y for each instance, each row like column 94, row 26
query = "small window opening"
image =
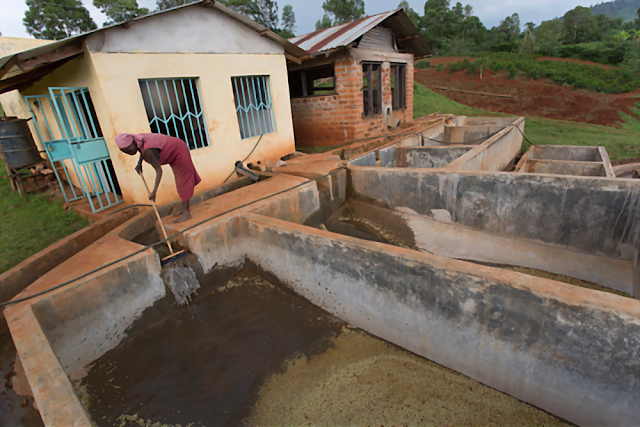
column 399, row 86
column 174, row 108
column 372, row 88
column 313, row 81
column 254, row 106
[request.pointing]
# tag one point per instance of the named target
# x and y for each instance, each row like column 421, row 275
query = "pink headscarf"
column 124, row 140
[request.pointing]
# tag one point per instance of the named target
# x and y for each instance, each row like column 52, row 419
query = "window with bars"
column 372, row 88
column 254, row 105
column 174, row 108
column 398, row 86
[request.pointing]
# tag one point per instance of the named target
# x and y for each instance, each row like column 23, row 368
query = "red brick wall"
column 326, row 120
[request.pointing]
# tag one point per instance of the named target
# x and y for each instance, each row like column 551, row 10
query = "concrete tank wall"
column 496, row 153
column 592, row 215
column 522, row 335
column 429, row 157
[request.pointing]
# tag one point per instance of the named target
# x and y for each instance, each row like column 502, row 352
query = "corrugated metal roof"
column 340, row 35
column 344, row 35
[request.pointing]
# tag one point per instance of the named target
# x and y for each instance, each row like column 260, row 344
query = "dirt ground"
column 450, row 59
column 532, row 97
column 365, row 381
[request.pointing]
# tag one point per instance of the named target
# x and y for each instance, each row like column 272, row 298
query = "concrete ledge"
column 297, row 204
column 28, row 271
column 522, row 335
column 52, row 390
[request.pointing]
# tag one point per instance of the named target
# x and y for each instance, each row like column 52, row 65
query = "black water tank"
column 16, row 143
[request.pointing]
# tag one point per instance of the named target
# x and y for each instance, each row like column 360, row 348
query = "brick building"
column 358, row 78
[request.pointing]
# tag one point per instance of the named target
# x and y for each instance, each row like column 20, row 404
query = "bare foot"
column 182, row 218
column 176, row 213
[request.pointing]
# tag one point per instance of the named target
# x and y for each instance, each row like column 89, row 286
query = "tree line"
column 58, row 19
column 449, row 29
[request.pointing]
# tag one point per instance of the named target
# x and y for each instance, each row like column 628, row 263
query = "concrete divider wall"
column 217, row 245
column 591, row 215
column 80, row 324
column 566, row 152
column 474, row 135
column 488, row 121
column 557, row 167
column 426, row 234
column 522, row 335
column 496, row 153
column 388, row 157
column 429, row 157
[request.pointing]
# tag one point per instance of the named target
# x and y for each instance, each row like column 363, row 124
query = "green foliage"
column 323, row 23
column 423, row 64
column 57, row 19
column 412, row 14
column 444, row 27
column 119, row 10
column 606, row 52
column 30, row 223
column 340, row 11
column 426, row 101
column 625, row 9
column 580, row 76
column 632, row 57
column 265, row 13
column 168, row 4
column 457, row 46
column 288, row 20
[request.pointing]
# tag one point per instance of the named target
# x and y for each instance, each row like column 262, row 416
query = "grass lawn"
column 30, row 223
column 620, row 143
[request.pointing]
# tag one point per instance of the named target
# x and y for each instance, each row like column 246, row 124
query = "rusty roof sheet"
column 344, row 35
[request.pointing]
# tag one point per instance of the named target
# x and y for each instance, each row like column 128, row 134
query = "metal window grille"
column 68, row 126
column 254, row 105
column 399, row 86
column 174, row 107
column 372, row 88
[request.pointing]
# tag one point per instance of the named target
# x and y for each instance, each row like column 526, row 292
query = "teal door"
column 80, row 140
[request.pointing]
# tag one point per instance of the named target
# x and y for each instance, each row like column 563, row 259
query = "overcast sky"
column 309, row 11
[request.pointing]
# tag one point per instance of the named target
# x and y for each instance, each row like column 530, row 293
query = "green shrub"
column 580, row 76
column 423, row 64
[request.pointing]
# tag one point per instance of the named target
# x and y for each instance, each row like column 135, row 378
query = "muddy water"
column 248, row 352
column 204, row 364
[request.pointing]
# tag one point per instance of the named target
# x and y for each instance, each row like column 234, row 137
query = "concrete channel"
column 424, row 275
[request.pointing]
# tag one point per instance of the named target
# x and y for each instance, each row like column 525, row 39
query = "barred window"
column 372, row 88
column 174, row 108
column 254, row 106
column 399, row 86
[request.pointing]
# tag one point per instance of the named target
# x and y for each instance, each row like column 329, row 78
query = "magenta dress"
column 175, row 153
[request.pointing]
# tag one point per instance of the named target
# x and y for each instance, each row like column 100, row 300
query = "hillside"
column 626, row 9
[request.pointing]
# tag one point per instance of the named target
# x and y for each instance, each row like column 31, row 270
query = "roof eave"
column 289, row 47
